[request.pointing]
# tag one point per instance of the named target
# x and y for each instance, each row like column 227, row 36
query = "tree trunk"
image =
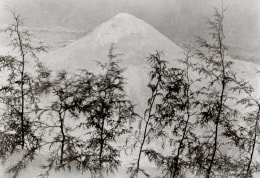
column 101, row 143
column 176, row 163
column 146, row 125
column 254, row 143
column 21, row 82
column 216, row 130
column 63, row 137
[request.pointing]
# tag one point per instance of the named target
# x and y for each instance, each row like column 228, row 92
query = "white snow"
column 118, row 27
column 135, row 40
column 131, row 37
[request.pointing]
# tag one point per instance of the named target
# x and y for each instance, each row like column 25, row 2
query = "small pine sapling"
column 217, row 118
column 249, row 130
column 18, row 96
column 186, row 104
column 173, row 115
column 60, row 119
column 156, row 85
column 107, row 112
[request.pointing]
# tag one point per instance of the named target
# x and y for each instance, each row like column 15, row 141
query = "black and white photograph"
column 129, row 88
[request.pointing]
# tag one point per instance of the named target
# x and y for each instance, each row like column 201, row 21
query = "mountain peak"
column 125, row 16
column 120, row 26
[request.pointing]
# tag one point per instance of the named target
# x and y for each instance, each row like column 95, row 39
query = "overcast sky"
column 177, row 19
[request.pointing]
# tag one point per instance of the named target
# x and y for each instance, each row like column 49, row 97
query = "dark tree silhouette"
column 172, row 118
column 156, row 85
column 107, row 112
column 19, row 96
column 218, row 116
column 186, row 104
column 60, row 118
column 218, row 69
column 248, row 131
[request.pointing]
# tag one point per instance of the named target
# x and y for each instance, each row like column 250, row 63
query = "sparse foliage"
column 107, row 112
column 248, row 130
column 218, row 115
column 19, row 97
column 57, row 119
column 156, row 86
column 172, row 119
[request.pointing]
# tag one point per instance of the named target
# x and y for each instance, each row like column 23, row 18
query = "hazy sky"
column 177, row 19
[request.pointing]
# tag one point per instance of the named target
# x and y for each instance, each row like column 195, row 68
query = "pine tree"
column 59, row 118
column 248, row 130
column 107, row 112
column 172, row 119
column 18, row 96
column 156, row 85
column 218, row 117
column 186, row 105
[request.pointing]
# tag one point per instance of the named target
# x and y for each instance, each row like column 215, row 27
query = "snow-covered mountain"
column 135, row 40
column 132, row 37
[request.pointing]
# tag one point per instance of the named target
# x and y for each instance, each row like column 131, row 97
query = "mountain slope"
column 132, row 37
column 134, row 40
